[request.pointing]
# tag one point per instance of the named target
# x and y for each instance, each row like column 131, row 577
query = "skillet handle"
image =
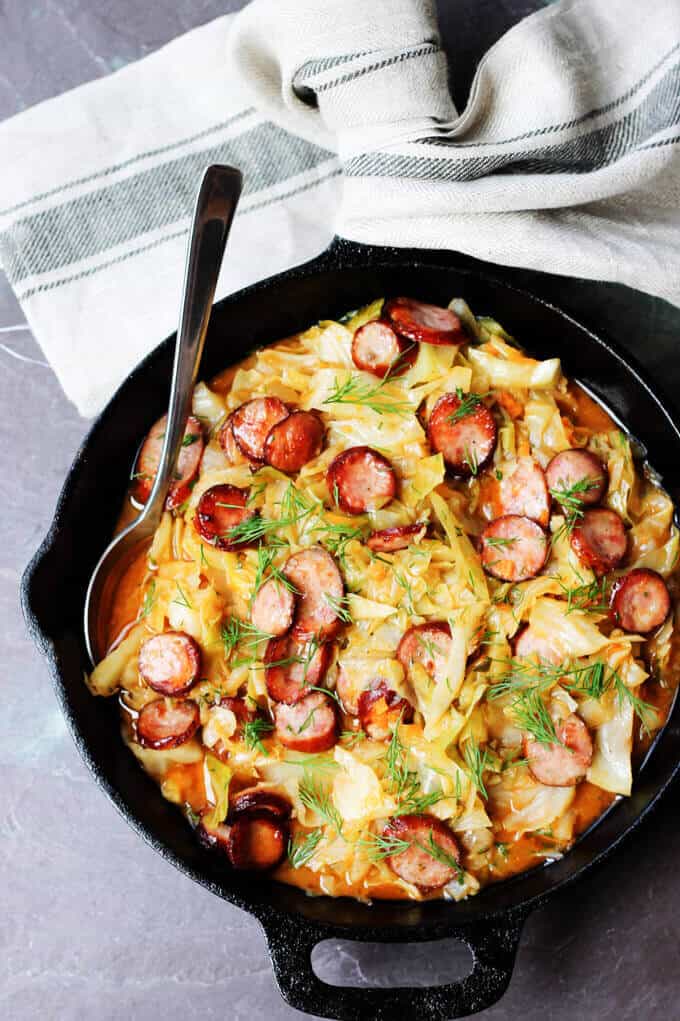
column 493, row 944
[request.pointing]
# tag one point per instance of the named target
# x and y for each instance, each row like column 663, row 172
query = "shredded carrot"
column 511, row 405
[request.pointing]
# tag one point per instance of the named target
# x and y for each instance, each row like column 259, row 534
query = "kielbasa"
column 415, row 864
column 170, row 663
column 513, row 548
column 381, row 709
column 310, row 725
column 599, row 539
column 378, row 349
column 564, row 764
column 188, row 463
column 293, row 665
column 423, row 323
column 315, row 576
column 167, row 725
column 580, row 473
column 220, row 509
column 252, row 422
column 466, row 439
column 389, row 540
column 640, row 601
column 273, row 608
column 294, row 441
column 360, row 479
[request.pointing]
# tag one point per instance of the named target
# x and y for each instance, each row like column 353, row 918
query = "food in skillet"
column 407, row 620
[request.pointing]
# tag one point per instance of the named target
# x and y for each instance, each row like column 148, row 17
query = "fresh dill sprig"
column 406, row 585
column 437, row 852
column 182, row 599
column 253, row 732
column 265, row 562
column 531, row 714
column 189, row 439
column 499, row 541
column 589, row 596
column 336, row 536
column 571, row 497
column 468, row 404
column 149, row 599
column 471, row 460
column 371, row 395
column 352, row 737
column 642, row 709
column 379, row 846
column 476, row 762
column 315, row 797
column 302, row 849
column 340, row 607
column 235, row 631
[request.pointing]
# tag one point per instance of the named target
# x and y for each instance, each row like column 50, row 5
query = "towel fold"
column 566, row 158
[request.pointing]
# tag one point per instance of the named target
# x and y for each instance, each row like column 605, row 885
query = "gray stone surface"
column 92, row 923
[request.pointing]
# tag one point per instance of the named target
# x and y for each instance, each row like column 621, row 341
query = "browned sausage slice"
column 360, row 479
column 257, row 841
column 389, row 540
column 523, row 490
column 163, row 725
column 565, row 764
column 294, row 665
column 381, row 709
column 314, row 575
column 231, row 449
column 291, row 443
column 528, row 643
column 427, row 644
column 580, row 473
column 599, row 539
column 273, row 608
column 311, row 725
column 423, row 323
column 640, row 601
column 215, row 837
column 513, row 548
column 188, row 463
column 220, row 509
column 255, row 799
column 466, row 439
column 378, row 349
column 170, row 663
column 252, row 422
column 415, row 864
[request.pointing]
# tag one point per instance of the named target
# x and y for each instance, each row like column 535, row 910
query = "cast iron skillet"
column 344, row 277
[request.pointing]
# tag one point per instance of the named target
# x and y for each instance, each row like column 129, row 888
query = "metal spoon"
column 215, row 207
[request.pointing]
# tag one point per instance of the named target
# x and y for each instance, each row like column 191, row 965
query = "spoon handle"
column 215, row 207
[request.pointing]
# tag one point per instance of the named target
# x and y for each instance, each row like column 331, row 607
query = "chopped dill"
column 302, row 849
column 182, row 599
column 468, row 404
column 476, row 761
column 315, row 797
column 340, row 607
column 149, row 599
column 253, row 732
column 355, row 391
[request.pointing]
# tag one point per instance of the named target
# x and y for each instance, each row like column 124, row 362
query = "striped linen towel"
column 567, row 158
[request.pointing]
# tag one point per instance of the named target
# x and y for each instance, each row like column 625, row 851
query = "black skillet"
column 344, row 277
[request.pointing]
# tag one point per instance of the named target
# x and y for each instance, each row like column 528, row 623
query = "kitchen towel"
column 566, row 157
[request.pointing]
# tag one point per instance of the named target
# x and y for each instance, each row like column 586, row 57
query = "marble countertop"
column 93, row 922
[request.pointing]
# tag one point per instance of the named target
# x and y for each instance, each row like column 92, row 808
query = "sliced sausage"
column 640, row 601
column 565, row 764
column 523, row 490
column 220, row 509
column 466, row 440
column 291, row 443
column 273, row 608
column 166, row 725
column 378, row 349
column 415, row 864
column 381, row 709
column 423, row 323
column 311, row 725
column 578, row 472
column 257, row 841
column 315, row 577
column 255, row 799
column 188, row 463
column 170, row 663
column 389, row 540
column 360, row 479
column 427, row 644
column 513, row 548
column 252, row 422
column 213, row 837
column 599, row 539
column 528, row 643
column 293, row 665
column 231, row 449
